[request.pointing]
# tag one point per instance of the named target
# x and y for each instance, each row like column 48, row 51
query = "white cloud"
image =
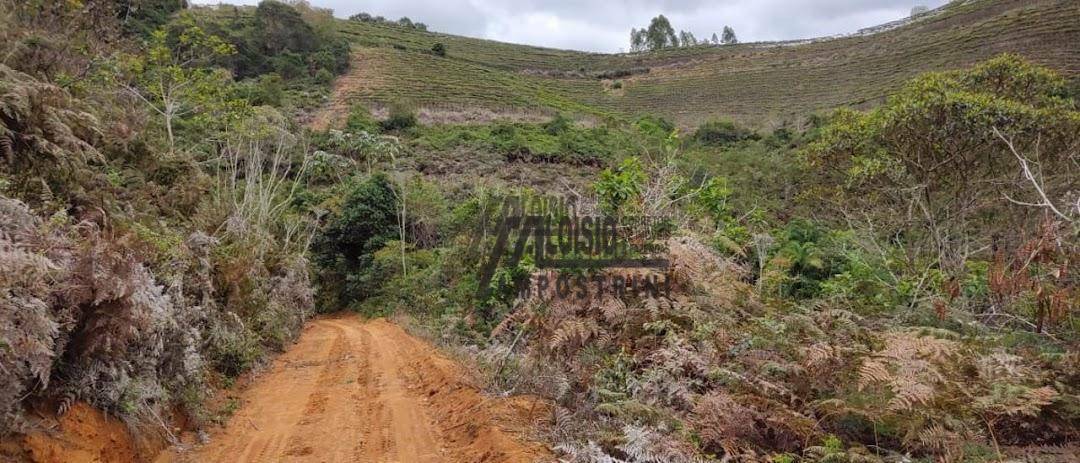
column 597, row 25
column 539, row 28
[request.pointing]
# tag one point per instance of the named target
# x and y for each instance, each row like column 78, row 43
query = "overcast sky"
column 604, row 25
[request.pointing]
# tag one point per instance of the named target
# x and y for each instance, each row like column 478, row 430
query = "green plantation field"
column 758, row 84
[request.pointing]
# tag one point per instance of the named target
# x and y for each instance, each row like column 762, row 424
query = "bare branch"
column 1025, row 166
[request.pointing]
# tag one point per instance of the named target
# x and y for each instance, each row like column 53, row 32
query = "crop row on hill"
column 760, row 86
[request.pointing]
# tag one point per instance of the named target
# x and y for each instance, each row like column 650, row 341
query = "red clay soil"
column 83, row 435
column 348, row 391
column 367, row 391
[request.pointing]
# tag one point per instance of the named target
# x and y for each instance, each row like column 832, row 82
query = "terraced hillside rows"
column 759, row 84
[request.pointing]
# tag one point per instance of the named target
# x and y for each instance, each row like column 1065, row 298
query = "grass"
column 760, row 85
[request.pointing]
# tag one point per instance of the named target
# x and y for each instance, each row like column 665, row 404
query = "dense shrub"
column 141, row 17
column 620, row 73
column 49, row 138
column 344, row 248
column 279, row 28
column 941, row 146
column 267, row 89
column 324, row 77
column 360, row 120
column 121, row 310
column 618, row 185
column 806, row 254
column 654, row 127
column 288, row 64
column 560, row 140
column 401, row 118
column 402, row 22
column 278, row 40
column 88, row 319
column 721, row 133
column 439, row 49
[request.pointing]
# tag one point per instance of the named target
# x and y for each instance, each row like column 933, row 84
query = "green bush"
column 558, row 124
column 265, row 90
column 439, row 49
column 654, row 127
column 558, row 140
column 143, row 17
column 289, row 65
column 810, row 255
column 720, row 133
column 400, row 119
column 360, row 120
column 324, row 77
column 278, row 39
column 617, row 186
column 344, row 249
column 279, row 27
column 937, row 147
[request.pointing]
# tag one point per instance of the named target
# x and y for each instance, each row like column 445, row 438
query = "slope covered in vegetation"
column 149, row 247
column 758, row 84
column 873, row 286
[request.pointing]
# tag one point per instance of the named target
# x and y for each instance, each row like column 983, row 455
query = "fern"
column 650, row 445
column 588, row 453
column 1012, row 400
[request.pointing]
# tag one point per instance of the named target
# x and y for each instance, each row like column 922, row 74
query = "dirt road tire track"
column 354, row 391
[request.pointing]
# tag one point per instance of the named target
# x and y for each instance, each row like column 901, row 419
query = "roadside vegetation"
column 152, row 247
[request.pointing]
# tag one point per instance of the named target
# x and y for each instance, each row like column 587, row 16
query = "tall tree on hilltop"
column 729, row 36
column 660, row 34
column 637, row 40
column 687, row 39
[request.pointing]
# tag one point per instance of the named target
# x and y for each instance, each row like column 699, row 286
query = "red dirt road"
column 355, row 391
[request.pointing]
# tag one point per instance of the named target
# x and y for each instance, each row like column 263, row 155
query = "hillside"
column 759, row 84
column 262, row 233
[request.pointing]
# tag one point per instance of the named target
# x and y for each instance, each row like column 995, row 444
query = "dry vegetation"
column 149, row 249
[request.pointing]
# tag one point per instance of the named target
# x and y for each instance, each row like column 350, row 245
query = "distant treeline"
column 404, row 21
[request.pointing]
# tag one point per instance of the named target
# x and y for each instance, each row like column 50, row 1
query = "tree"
column 957, row 162
column 143, row 17
column 174, row 82
column 361, row 17
column 345, row 247
column 715, row 40
column 687, row 39
column 637, row 39
column 660, row 34
column 729, row 36
column 279, row 27
column 405, row 21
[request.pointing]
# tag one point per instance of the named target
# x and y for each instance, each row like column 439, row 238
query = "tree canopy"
column 956, row 151
column 728, row 37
